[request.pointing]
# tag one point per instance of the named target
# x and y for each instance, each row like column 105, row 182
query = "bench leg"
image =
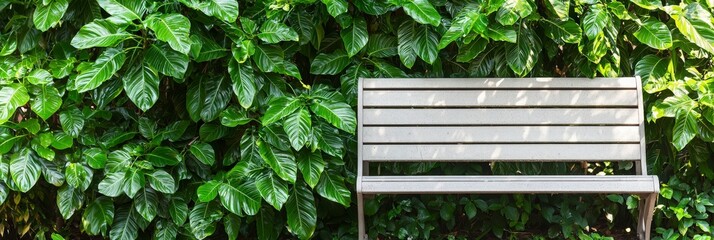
column 360, row 217
column 646, row 207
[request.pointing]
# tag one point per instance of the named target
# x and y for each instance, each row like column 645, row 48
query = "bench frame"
column 648, row 193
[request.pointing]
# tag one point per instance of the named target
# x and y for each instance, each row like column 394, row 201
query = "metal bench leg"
column 646, row 207
column 360, row 217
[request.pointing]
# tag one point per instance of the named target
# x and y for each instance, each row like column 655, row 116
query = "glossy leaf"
column 98, row 216
column 655, row 34
column 282, row 162
column 173, row 29
column 301, row 212
column 203, row 152
column 240, row 198
column 272, row 189
column 141, row 84
column 355, row 37
column 297, row 126
column 47, row 15
column 166, row 61
column 100, row 33
column 273, row 31
column 106, row 65
column 329, row 63
column 338, row 114
column 311, row 166
column 332, row 187
column 25, row 169
column 162, row 182
column 422, row 12
column 243, row 79
column 11, row 97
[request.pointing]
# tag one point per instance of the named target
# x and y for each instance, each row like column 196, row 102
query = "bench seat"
column 509, row 184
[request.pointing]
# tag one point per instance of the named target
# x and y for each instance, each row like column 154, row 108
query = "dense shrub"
column 225, row 118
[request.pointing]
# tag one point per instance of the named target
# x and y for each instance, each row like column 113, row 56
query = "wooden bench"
column 506, row 120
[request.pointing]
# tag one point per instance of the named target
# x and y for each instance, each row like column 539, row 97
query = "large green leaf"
column 178, row 210
column 232, row 117
column 25, row 169
column 279, row 108
column 72, row 121
column 243, row 78
column 269, row 58
column 203, row 218
column 523, row 55
column 12, row 97
column 208, row 191
column 123, row 11
column 301, row 211
column 112, row 184
column 561, row 8
column 166, row 60
column 134, row 181
column 225, row 10
column 595, row 20
column 685, row 124
column 126, row 226
column 100, row 33
column 165, row 230
column 141, row 84
column 231, row 224
column 240, row 198
column 422, row 11
column 332, row 187
column 163, row 156
column 653, row 70
column 47, row 102
column 694, row 22
column 282, row 162
column 69, row 200
column 47, row 15
column 381, row 45
column 162, row 181
column 426, row 43
column 335, row 7
column 207, row 97
column 355, row 37
column 469, row 51
column 297, row 126
column 203, row 152
column 173, row 29
column 648, row 4
column 273, row 31
column 98, row 216
column 467, row 19
column 273, row 189
column 407, row 43
column 338, row 114
column 78, row 176
column 563, row 31
column 311, row 166
column 329, row 63
column 512, row 10
column 655, row 34
column 146, row 204
column 106, row 65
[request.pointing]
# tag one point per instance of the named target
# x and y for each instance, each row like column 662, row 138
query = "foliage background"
column 226, row 119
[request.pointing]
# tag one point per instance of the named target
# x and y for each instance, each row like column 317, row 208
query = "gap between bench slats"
column 500, row 152
column 503, row 83
column 471, row 98
column 496, row 134
column 500, row 116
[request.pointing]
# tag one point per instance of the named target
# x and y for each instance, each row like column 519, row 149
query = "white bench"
column 506, row 120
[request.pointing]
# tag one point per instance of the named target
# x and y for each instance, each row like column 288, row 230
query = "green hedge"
column 225, row 118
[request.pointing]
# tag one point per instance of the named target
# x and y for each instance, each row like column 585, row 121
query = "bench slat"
column 502, row 134
column 500, row 152
column 490, row 83
column 500, row 116
column 471, row 98
column 509, row 184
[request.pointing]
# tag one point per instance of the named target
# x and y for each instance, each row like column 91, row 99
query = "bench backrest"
column 500, row 119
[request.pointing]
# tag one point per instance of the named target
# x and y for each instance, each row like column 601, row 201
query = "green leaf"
column 208, row 191
column 329, row 63
column 422, row 11
column 9, row 45
column 203, row 152
column 46, row 16
column 146, row 204
column 407, row 42
column 686, row 116
column 98, row 216
column 279, row 108
column 563, row 31
column 69, row 200
column 282, row 162
column 695, row 24
column 655, row 34
column 124, row 10
column 381, row 46
column 133, row 181
column 126, row 226
column 178, row 209
column 239, row 199
column 269, row 58
column 162, row 182
column 100, row 33
column 163, row 156
column 78, row 176
column 112, row 184
column 272, row 189
column 141, row 84
column 96, row 158
column 225, row 10
column 355, row 37
column 648, row 4
column 273, row 31
column 243, row 79
column 501, row 33
column 231, row 223
column 173, row 29
column 512, row 10
column 470, row 210
column 166, row 60
column 232, row 117
column 594, row 21
column 25, row 169
column 203, row 218
column 106, row 65
column 462, row 24
column 469, row 51
column 39, row 77
column 207, row 97
column 297, row 125
column 47, row 102
column 12, row 97
column 210, row 132
column 301, row 211
column 338, row 114
column 653, row 70
column 523, row 55
column 426, row 41
column 165, row 230
column 332, row 187
column 561, row 8
column 72, row 121
column 335, row 7
column 311, row 166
